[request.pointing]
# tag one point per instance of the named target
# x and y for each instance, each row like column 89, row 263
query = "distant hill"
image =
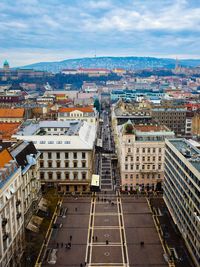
column 128, row 63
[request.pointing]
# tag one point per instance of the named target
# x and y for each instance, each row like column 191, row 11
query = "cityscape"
column 99, row 151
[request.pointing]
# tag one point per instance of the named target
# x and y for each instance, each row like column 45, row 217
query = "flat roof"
column 151, row 128
column 191, row 153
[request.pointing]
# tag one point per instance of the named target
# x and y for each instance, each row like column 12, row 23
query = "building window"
column 143, row 167
column 126, row 176
column 41, row 164
column 75, row 164
column 67, row 175
column 158, row 176
column 137, row 158
column 148, row 158
column 83, row 176
column 66, row 164
column 137, row 167
column 58, row 175
column 50, row 175
column 129, row 140
column 159, row 166
column 148, row 176
column 153, row 176
column 143, row 158
column 75, row 175
column 129, row 150
column 83, row 155
column 131, row 166
column 49, row 155
column 126, row 158
column 58, row 164
column 160, row 150
column 142, row 176
column 42, row 175
column 83, row 164
column 143, row 150
column 137, row 176
column 58, row 155
column 154, row 150
column 149, row 150
column 66, row 155
column 153, row 167
column 41, row 156
column 126, row 166
column 49, row 164
column 75, row 155
column 154, row 158
column 131, row 158
column 159, row 158
column 131, row 176
column 148, row 167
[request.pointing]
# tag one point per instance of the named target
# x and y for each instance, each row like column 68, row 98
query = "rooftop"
column 151, row 128
column 7, row 129
column 82, row 109
column 5, row 158
column 11, row 112
column 190, row 152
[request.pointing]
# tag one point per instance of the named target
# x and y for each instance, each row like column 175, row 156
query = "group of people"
column 67, row 245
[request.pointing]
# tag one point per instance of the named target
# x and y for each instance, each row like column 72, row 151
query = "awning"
column 34, row 223
column 43, row 204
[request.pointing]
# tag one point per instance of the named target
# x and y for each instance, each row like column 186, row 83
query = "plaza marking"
column 89, row 229
column 106, row 235
column 107, row 253
column 119, row 221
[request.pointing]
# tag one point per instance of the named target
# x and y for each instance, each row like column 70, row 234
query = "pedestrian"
column 57, row 245
column 107, row 242
column 76, row 209
column 61, row 245
column 65, row 245
column 96, row 239
column 93, row 238
column 70, row 238
column 81, row 265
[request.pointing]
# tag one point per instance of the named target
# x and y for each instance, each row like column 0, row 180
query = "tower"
column 6, row 65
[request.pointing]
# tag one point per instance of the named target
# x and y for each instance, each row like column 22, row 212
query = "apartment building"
column 27, row 157
column 140, row 150
column 11, row 211
column 173, row 117
column 182, row 191
column 88, row 114
column 67, row 152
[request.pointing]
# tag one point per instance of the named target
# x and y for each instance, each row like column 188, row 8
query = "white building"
column 66, row 148
column 182, row 191
column 88, row 114
column 141, row 151
column 11, row 211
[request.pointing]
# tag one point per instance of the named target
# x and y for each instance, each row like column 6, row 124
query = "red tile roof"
column 82, row 109
column 150, row 128
column 5, row 157
column 11, row 113
column 7, row 129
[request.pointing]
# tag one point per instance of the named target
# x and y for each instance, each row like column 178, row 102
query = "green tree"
column 97, row 105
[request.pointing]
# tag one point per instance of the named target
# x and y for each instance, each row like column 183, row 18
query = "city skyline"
column 53, row 30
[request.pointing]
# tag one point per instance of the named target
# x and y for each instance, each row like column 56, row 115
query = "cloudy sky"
column 50, row 30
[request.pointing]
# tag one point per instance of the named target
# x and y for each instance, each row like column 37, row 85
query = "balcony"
column 4, row 222
column 18, row 202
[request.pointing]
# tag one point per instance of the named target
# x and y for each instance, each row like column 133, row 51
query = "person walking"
column 96, row 239
column 70, row 238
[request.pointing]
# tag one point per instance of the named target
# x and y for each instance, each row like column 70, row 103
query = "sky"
column 53, row 30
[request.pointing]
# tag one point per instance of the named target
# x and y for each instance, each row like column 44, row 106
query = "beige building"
column 11, row 211
column 88, row 114
column 140, row 150
column 196, row 124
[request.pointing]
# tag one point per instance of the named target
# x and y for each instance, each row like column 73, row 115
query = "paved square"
column 106, row 254
column 106, row 220
column 135, row 208
column 146, row 256
column 147, row 235
column 138, row 220
column 105, row 208
column 112, row 235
